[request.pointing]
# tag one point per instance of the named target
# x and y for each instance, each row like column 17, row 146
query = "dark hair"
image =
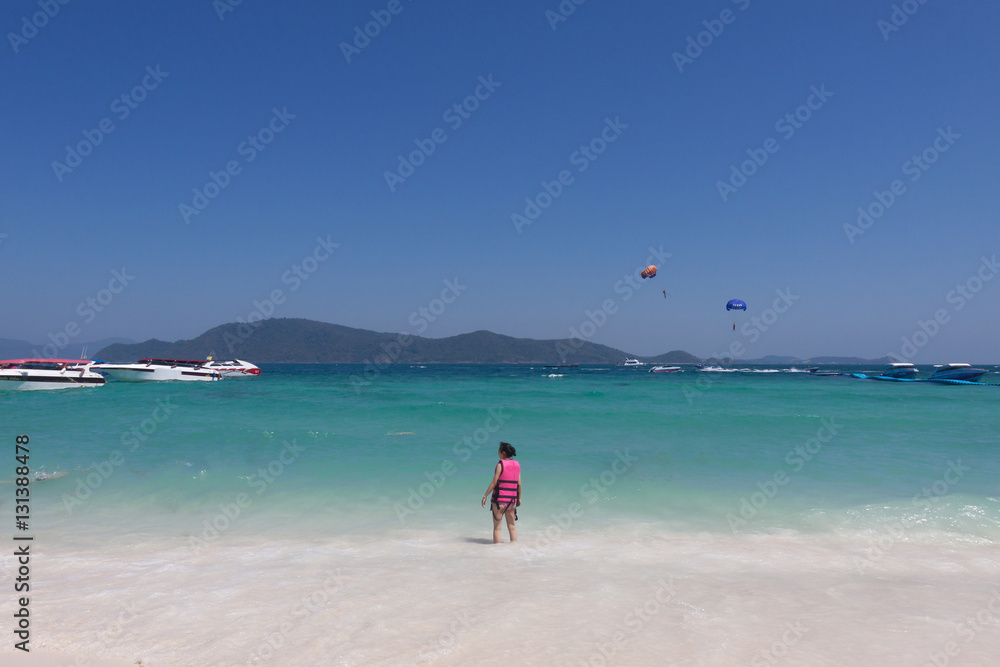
column 508, row 450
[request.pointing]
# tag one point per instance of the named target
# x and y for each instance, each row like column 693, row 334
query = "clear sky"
column 734, row 138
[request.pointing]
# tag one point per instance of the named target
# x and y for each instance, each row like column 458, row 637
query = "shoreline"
column 416, row 597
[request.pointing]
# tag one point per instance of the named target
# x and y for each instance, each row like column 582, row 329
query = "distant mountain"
column 674, row 357
column 822, row 361
column 290, row 340
column 779, row 360
column 845, row 361
column 20, row 349
column 15, row 349
column 774, row 359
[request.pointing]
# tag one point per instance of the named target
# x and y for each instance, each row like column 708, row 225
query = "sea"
column 332, row 515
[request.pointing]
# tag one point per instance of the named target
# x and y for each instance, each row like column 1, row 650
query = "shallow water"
column 298, row 518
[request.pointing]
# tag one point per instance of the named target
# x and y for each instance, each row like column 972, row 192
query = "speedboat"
column 899, row 370
column 956, row 372
column 233, row 368
column 632, row 362
column 665, row 369
column 48, row 374
column 154, row 370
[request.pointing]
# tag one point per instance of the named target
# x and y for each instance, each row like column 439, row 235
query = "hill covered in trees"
column 290, row 340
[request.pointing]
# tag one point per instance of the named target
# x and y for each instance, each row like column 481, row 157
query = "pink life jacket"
column 506, row 490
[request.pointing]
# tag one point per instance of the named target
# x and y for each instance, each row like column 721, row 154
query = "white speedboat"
column 632, row 362
column 157, row 370
column 24, row 374
column 899, row 370
column 233, row 368
column 956, row 372
column 665, row 369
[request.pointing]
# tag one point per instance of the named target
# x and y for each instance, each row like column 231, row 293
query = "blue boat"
column 956, row 372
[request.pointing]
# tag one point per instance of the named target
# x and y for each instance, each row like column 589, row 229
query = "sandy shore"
column 37, row 658
column 636, row 597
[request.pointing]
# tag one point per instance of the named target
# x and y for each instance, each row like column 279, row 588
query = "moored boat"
column 665, row 369
column 30, row 374
column 956, row 372
column 899, row 370
column 158, row 370
column 632, row 363
column 233, row 368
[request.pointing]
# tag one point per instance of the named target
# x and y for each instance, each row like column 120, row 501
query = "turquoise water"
column 700, row 441
column 767, row 496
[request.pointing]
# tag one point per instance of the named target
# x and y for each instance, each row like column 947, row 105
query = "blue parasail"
column 736, row 304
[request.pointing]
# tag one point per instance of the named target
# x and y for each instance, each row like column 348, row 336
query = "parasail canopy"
column 648, row 272
column 736, row 304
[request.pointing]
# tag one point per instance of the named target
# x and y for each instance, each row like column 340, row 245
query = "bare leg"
column 511, row 528
column 497, row 515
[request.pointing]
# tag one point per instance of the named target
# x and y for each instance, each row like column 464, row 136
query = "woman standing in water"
column 506, row 488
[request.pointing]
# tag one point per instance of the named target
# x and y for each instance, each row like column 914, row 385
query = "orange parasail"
column 648, row 272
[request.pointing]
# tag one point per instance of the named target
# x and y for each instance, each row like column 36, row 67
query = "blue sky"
column 201, row 90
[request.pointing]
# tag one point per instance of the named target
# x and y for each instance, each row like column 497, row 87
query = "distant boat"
column 665, row 369
column 563, row 366
column 25, row 374
column 632, row 362
column 899, row 370
column 956, row 372
column 815, row 371
column 233, row 368
column 153, row 370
